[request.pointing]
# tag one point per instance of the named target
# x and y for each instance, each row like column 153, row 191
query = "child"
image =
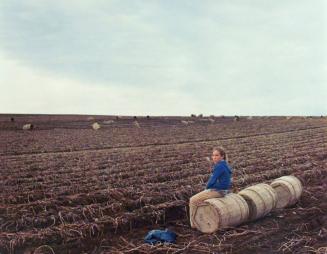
column 218, row 183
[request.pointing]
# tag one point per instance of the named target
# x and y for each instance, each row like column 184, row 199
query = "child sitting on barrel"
column 218, row 184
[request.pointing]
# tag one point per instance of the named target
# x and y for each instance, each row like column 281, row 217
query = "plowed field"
column 66, row 188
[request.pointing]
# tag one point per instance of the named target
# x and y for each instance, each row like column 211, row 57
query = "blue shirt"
column 220, row 178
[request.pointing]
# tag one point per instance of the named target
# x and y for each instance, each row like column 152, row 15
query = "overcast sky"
column 149, row 57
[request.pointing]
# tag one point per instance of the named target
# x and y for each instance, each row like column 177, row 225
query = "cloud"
column 32, row 91
column 226, row 57
column 91, row 44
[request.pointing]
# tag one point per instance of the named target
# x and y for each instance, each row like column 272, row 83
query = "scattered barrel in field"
column 288, row 190
column 217, row 213
column 96, row 126
column 261, row 199
column 28, row 126
column 187, row 122
column 136, row 123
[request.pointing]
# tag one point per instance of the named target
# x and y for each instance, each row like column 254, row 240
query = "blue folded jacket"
column 160, row 236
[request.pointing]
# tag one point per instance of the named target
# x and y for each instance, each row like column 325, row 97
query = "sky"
column 163, row 57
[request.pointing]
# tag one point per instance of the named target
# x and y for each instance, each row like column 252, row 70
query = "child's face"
column 216, row 156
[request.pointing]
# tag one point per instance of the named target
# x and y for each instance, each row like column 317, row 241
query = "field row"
column 44, row 207
column 81, row 199
column 30, row 182
column 121, row 159
column 42, row 141
column 98, row 171
column 92, row 221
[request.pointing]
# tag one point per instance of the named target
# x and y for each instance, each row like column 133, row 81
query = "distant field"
column 66, row 188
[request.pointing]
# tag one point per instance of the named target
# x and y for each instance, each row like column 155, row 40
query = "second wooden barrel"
column 288, row 190
column 216, row 213
column 261, row 199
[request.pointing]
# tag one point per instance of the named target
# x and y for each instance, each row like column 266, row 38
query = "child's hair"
column 222, row 152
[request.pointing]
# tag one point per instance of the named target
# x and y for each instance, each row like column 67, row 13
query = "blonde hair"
column 221, row 151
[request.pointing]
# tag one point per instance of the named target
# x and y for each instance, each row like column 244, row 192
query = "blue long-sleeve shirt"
column 220, row 178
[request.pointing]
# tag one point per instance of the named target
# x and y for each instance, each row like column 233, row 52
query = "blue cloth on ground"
column 160, row 236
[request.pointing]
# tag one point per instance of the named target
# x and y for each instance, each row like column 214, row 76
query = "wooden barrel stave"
column 288, row 189
column 261, row 199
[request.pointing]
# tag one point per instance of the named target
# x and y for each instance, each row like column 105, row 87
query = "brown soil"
column 66, row 188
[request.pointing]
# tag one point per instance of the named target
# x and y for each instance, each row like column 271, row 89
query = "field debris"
column 66, row 190
column 28, row 126
column 184, row 122
column 236, row 118
column 137, row 124
column 96, row 126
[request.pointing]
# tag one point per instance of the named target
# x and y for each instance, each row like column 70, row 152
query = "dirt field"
column 66, row 188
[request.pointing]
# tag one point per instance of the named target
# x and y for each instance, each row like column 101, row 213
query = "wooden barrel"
column 27, row 126
column 217, row 213
column 261, row 199
column 288, row 190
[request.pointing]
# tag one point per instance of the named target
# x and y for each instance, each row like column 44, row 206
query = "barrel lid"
column 206, row 218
